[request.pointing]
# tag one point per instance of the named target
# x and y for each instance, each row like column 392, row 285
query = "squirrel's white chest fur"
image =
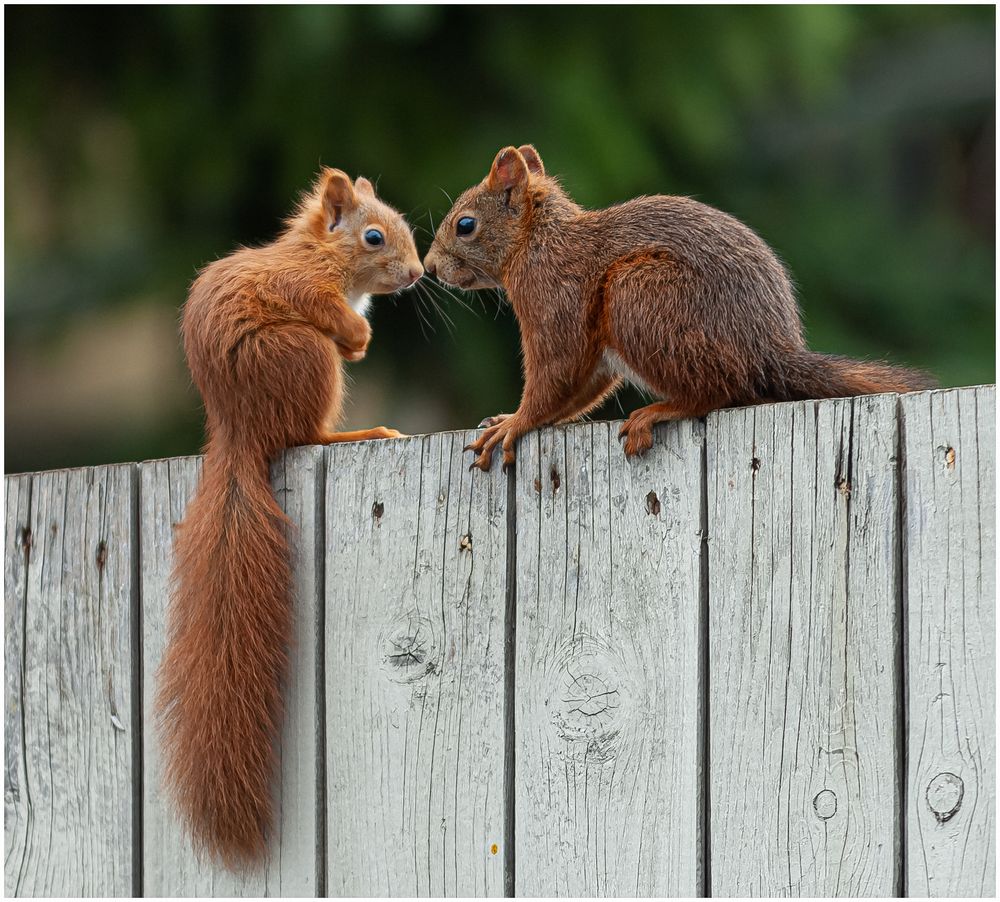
column 616, row 365
column 360, row 303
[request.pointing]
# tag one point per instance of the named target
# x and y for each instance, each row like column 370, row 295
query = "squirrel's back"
column 737, row 290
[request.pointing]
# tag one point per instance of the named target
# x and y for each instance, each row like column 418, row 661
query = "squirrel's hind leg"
column 669, row 349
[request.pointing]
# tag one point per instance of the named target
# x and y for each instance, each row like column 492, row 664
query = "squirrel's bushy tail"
column 219, row 696
column 806, row 375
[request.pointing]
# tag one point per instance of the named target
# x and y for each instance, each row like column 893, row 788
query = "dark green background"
column 142, row 143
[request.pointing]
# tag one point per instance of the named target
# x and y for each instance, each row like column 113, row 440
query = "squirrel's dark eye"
column 374, row 238
column 465, row 226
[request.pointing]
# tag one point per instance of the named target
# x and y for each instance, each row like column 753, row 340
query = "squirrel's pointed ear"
column 338, row 196
column 532, row 159
column 363, row 186
column 509, row 170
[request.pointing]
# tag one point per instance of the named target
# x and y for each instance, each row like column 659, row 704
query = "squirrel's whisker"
column 456, row 298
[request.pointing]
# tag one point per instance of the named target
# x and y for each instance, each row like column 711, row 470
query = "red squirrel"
column 672, row 295
column 265, row 332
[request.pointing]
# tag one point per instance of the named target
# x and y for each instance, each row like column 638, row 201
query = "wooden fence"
column 757, row 661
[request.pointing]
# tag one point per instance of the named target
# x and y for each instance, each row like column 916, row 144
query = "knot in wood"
column 825, row 804
column 409, row 648
column 588, row 699
column 944, row 795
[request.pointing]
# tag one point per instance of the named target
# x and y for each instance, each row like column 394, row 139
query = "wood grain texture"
column 294, row 867
column 416, row 555
column 803, row 589
column 826, row 521
column 68, row 692
column 17, row 555
column 950, row 598
column 607, row 682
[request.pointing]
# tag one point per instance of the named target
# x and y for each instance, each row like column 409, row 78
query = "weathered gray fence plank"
column 68, row 719
column 822, row 529
column 416, row 555
column 607, row 683
column 17, row 553
column 171, row 867
column 950, row 596
column 803, row 587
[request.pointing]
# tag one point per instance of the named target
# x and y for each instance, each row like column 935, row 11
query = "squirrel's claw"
column 486, row 422
column 484, row 446
column 484, row 461
column 638, row 439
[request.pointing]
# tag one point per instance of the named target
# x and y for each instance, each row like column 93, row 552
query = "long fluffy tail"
column 220, row 680
column 806, row 375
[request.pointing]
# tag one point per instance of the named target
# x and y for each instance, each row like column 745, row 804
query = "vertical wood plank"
column 294, row 868
column 68, row 617
column 416, row 557
column 950, row 596
column 803, row 594
column 17, row 555
column 607, row 680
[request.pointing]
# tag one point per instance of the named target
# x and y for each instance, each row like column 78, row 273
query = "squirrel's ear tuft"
column 532, row 159
column 509, row 170
column 338, row 196
column 363, row 186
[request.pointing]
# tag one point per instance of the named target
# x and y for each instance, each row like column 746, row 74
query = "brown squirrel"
column 265, row 332
column 675, row 296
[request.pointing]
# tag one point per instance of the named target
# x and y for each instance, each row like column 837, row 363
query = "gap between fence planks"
column 714, row 646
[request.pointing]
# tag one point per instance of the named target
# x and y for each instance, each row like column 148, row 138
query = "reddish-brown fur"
column 664, row 291
column 265, row 331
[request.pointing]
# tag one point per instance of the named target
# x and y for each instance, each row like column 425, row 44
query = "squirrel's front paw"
column 351, row 356
column 352, row 353
column 503, row 433
column 353, row 346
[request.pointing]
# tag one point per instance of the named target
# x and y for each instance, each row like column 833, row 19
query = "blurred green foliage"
column 143, row 142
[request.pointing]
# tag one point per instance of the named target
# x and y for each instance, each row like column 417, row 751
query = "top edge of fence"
column 562, row 426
